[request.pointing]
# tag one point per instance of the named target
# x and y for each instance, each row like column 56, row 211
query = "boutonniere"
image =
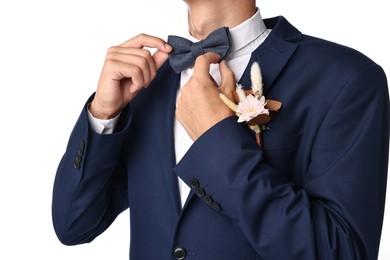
column 251, row 106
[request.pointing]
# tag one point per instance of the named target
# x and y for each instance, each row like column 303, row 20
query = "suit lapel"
column 274, row 53
column 167, row 83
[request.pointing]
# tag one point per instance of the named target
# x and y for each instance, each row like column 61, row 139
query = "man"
column 198, row 185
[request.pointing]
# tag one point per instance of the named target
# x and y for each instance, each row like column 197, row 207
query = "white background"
column 51, row 53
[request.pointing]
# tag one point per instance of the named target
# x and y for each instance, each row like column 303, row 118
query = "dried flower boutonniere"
column 251, row 106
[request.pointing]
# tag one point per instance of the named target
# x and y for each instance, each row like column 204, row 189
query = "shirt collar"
column 246, row 32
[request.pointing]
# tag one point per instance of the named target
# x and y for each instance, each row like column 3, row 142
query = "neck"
column 205, row 16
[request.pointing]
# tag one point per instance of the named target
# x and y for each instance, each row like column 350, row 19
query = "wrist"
column 100, row 112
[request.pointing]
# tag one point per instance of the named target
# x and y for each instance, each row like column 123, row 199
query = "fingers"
column 203, row 62
column 129, row 60
column 144, row 40
column 159, row 58
column 228, row 80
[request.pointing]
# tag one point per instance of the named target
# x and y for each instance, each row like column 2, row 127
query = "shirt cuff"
column 102, row 126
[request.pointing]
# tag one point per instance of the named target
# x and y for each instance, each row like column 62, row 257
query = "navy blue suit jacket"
column 316, row 190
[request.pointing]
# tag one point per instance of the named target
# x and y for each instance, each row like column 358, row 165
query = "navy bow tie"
column 185, row 51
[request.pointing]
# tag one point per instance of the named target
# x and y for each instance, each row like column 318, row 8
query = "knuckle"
column 109, row 64
column 143, row 62
column 110, row 56
column 141, row 35
column 112, row 49
column 136, row 71
column 145, row 53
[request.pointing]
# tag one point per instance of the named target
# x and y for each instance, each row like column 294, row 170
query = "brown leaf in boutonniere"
column 251, row 106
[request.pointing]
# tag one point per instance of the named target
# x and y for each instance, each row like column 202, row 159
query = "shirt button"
column 179, row 253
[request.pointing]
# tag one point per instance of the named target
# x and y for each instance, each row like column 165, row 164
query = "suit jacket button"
column 76, row 165
column 216, row 206
column 200, row 192
column 82, row 145
column 208, row 199
column 194, row 183
column 179, row 253
column 77, row 159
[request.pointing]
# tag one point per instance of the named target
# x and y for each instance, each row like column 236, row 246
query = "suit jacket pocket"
column 280, row 152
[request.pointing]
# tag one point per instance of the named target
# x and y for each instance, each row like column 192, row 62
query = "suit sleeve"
column 90, row 186
column 338, row 212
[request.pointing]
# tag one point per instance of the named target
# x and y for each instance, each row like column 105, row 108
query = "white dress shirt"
column 245, row 37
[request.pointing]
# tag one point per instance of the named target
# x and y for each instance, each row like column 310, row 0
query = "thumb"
column 228, row 80
column 160, row 57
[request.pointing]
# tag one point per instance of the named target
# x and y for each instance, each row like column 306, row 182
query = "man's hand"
column 127, row 69
column 199, row 106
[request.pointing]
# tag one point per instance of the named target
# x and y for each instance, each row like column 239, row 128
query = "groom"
column 163, row 143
